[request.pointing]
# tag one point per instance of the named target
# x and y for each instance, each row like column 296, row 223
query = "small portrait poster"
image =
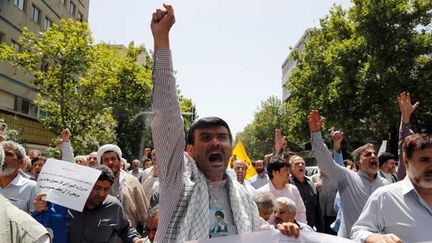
column 218, row 225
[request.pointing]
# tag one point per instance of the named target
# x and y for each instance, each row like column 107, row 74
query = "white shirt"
column 257, row 181
column 249, row 188
column 396, row 209
column 291, row 192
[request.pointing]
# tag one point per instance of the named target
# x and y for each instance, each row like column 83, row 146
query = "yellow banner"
column 240, row 153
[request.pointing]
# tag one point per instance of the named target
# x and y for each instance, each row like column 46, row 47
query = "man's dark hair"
column 106, row 175
column 145, row 160
column 384, row 157
column 38, row 158
column 417, row 141
column 206, row 122
column 275, row 164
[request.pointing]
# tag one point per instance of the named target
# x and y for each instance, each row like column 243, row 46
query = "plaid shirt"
column 184, row 199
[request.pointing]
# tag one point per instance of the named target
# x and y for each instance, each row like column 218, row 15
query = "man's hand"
column 279, row 142
column 406, row 107
column 315, row 121
column 39, row 202
column 289, row 229
column 337, row 137
column 161, row 23
column 379, row 238
column 65, row 136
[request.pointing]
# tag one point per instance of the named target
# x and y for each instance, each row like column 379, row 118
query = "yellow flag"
column 240, row 153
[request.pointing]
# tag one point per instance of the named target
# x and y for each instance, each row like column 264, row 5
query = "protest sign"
column 274, row 236
column 67, row 184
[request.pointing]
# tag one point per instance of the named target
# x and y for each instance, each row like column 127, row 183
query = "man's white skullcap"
column 105, row 148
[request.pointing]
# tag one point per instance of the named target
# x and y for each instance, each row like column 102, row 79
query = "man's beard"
column 6, row 171
column 259, row 171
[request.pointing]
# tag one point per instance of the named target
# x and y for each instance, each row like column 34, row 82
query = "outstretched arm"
column 322, row 154
column 337, row 137
column 167, row 124
column 406, row 109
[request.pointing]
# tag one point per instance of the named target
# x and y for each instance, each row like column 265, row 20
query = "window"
column 19, row 4
column 16, row 45
column 47, row 23
column 71, row 8
column 35, row 14
column 27, row 107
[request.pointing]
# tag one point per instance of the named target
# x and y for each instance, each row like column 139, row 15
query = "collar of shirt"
column 17, row 181
column 408, row 187
column 363, row 174
column 305, row 181
column 216, row 184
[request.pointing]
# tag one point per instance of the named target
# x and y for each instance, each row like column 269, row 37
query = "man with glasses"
column 354, row 187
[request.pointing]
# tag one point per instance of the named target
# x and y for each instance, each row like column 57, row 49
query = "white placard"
column 274, row 236
column 67, row 184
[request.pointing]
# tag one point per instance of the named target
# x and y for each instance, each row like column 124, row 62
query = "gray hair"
column 264, row 200
column 82, row 157
column 356, row 153
column 21, row 153
column 290, row 204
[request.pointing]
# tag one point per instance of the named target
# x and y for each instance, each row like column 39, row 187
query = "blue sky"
column 227, row 53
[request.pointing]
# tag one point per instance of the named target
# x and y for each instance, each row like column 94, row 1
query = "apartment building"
column 16, row 93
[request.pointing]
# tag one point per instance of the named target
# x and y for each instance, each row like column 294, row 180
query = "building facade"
column 16, row 92
column 289, row 64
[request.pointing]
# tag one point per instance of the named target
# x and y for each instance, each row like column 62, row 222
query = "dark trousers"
column 328, row 220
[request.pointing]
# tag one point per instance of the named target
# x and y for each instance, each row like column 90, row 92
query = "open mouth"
column 374, row 163
column 215, row 157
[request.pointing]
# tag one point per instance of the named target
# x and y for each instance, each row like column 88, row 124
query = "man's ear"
column 189, row 150
column 405, row 161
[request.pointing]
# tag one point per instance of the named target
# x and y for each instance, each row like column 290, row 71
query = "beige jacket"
column 134, row 201
column 16, row 226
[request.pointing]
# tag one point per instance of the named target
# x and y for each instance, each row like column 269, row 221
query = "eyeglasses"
column 369, row 153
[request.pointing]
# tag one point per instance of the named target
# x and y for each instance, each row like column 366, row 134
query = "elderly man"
column 192, row 190
column 16, row 226
column 354, row 187
column 19, row 190
column 136, row 171
column 402, row 212
column 264, row 202
column 102, row 219
column 261, row 178
column 387, row 164
column 285, row 211
column 92, row 159
column 240, row 168
column 308, row 192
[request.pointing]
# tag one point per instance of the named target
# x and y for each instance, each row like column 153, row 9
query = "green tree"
column 355, row 65
column 69, row 74
column 258, row 136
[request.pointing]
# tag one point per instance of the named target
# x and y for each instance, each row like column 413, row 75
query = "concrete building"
column 289, row 64
column 16, row 93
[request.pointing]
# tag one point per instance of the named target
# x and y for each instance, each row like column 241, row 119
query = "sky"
column 227, row 53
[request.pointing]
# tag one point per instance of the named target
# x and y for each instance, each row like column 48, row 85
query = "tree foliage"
column 352, row 69
column 98, row 91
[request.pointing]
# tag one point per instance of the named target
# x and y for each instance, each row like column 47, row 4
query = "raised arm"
column 65, row 146
column 279, row 143
column 322, row 154
column 337, row 137
column 406, row 109
column 167, row 124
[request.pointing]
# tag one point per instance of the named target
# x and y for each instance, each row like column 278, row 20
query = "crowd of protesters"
column 183, row 189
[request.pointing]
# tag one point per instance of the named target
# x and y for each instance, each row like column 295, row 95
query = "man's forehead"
column 211, row 130
column 239, row 163
column 109, row 154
